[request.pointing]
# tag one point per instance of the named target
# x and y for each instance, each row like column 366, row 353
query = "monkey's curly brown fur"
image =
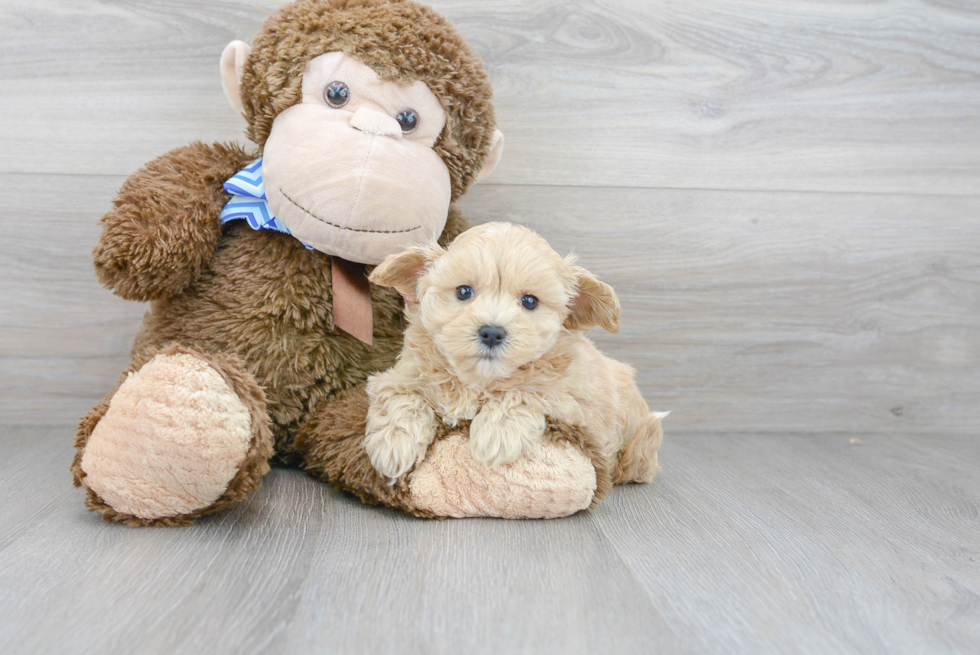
column 251, row 470
column 400, row 40
column 259, row 295
column 258, row 298
column 150, row 255
column 257, row 305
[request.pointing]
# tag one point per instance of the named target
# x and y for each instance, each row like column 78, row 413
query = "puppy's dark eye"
column 408, row 119
column 337, row 94
column 528, row 301
column 464, row 292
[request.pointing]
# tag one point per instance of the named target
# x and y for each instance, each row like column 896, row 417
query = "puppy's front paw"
column 398, row 434
column 499, row 436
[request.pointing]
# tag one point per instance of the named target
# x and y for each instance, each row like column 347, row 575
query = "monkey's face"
column 350, row 170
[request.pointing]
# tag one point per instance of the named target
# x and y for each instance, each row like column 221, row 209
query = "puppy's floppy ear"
column 403, row 270
column 595, row 305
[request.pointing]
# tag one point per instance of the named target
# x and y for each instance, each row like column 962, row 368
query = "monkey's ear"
column 496, row 150
column 595, row 305
column 232, row 61
column 403, row 270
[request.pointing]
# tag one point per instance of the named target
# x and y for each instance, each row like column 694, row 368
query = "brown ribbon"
column 352, row 299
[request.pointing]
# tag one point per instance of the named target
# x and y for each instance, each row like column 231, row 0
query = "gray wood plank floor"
column 785, row 194
column 744, row 544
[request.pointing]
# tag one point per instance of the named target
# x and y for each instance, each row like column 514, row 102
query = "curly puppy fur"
column 540, row 364
column 258, row 305
column 331, row 447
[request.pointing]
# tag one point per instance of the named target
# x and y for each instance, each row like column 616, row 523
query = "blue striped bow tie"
column 248, row 201
column 352, row 311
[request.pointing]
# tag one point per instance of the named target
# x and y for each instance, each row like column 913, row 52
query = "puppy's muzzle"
column 492, row 336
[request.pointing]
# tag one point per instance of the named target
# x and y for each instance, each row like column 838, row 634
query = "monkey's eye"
column 337, row 94
column 464, row 292
column 408, row 119
column 528, row 301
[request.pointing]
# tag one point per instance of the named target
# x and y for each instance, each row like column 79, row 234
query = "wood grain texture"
column 757, row 310
column 752, row 311
column 745, row 544
column 785, row 195
column 789, row 544
column 743, row 311
column 863, row 96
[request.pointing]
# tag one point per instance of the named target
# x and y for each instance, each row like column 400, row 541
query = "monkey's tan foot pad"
column 554, row 481
column 173, row 438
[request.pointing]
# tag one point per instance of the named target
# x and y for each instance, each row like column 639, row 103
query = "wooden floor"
column 786, row 196
column 745, row 544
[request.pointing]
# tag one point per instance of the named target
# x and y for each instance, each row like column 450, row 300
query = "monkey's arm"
column 566, row 474
column 164, row 225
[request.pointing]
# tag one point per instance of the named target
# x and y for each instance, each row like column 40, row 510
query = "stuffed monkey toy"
column 371, row 117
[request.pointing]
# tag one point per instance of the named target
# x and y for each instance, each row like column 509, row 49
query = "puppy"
column 496, row 337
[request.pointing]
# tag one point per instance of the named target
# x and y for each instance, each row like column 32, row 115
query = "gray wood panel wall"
column 785, row 194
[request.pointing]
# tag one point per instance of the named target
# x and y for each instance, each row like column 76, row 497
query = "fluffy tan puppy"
column 496, row 337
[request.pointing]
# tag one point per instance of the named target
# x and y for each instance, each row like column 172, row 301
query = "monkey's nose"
column 371, row 121
column 492, row 336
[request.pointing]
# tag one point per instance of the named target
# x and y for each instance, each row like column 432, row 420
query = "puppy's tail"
column 638, row 460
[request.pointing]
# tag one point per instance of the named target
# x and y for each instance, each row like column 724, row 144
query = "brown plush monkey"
column 371, row 118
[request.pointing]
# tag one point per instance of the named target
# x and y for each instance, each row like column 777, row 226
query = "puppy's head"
column 496, row 299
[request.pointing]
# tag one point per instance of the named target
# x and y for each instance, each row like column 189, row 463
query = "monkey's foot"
column 554, row 480
column 182, row 432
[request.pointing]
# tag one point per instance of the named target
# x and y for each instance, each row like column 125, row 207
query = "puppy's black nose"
column 492, row 336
